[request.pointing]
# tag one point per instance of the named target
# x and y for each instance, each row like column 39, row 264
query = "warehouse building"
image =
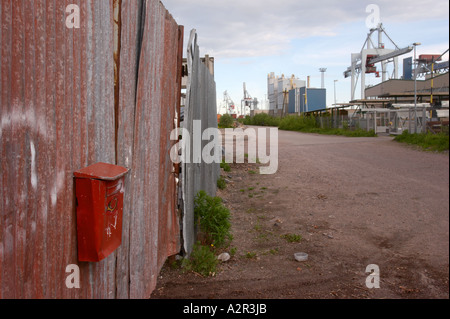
column 305, row 99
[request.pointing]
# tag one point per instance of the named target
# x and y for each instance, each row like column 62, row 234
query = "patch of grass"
column 345, row 132
column 428, row 142
column 273, row 251
column 257, row 227
column 221, row 183
column 226, row 167
column 250, row 255
column 213, row 218
column 292, row 238
column 202, row 261
column 251, row 188
column 251, row 172
column 176, row 264
column 263, row 236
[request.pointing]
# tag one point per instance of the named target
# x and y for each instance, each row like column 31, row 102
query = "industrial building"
column 430, row 87
column 293, row 96
column 306, row 99
column 278, row 90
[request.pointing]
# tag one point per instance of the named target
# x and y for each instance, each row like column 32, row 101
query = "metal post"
column 424, row 120
column 375, row 121
column 368, row 121
column 389, row 122
column 409, row 121
column 432, row 81
column 335, row 92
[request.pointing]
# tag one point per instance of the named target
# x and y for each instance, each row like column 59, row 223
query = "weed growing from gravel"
column 226, row 167
column 221, row 183
column 250, row 255
column 202, row 261
column 213, row 218
column 292, row 238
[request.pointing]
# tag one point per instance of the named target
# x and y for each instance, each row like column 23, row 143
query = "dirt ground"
column 354, row 201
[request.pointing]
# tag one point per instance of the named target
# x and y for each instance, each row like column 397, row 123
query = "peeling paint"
column 33, row 166
column 24, row 121
column 57, row 187
column 70, row 98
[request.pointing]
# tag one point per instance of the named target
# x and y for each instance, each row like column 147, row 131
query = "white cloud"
column 250, row 38
column 237, row 28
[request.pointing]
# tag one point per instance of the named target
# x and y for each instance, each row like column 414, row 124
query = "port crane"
column 229, row 104
column 248, row 101
column 372, row 53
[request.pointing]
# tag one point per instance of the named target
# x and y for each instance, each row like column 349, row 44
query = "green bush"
column 309, row 124
column 202, row 261
column 429, row 141
column 221, row 183
column 213, row 218
column 298, row 123
column 262, row 119
column 306, row 124
column 226, row 121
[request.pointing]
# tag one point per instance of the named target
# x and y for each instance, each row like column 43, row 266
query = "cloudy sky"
column 251, row 38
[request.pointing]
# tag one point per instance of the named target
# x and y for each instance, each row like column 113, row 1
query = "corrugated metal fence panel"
column 131, row 19
column 154, row 226
column 188, row 168
column 169, row 243
column 56, row 116
column 57, row 113
column 145, row 166
column 200, row 114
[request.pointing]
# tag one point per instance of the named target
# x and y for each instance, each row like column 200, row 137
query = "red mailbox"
column 99, row 192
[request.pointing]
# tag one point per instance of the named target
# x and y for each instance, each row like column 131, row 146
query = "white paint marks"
column 35, row 123
column 59, row 183
column 33, row 166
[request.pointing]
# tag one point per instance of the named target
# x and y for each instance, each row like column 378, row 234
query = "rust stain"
column 67, row 100
column 117, row 9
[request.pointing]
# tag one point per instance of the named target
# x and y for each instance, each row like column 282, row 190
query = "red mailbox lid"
column 102, row 171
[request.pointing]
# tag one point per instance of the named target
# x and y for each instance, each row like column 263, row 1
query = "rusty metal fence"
column 107, row 91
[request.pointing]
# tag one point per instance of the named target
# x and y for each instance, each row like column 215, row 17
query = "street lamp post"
column 415, row 86
column 335, row 92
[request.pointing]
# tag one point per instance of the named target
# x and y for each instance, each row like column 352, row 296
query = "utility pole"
column 323, row 70
column 285, row 102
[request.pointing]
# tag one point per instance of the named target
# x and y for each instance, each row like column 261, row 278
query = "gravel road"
column 355, row 202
